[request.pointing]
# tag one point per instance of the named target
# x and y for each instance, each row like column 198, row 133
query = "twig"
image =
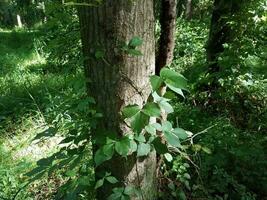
column 199, row 133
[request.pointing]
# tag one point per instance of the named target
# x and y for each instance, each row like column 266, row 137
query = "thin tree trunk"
column 118, row 79
column 189, row 10
column 167, row 37
column 220, row 30
column 19, row 23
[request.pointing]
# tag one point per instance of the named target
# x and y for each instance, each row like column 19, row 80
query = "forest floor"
column 24, row 96
column 30, row 99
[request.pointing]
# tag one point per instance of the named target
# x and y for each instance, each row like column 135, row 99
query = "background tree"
column 221, row 31
column 167, row 34
column 118, row 78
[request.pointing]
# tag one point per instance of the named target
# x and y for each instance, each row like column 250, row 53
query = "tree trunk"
column 167, row 37
column 189, row 10
column 118, row 79
column 19, row 23
column 220, row 30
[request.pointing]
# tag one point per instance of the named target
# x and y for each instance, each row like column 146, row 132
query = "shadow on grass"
column 24, row 87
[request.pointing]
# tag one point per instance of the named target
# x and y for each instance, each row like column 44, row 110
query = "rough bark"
column 167, row 37
column 118, row 79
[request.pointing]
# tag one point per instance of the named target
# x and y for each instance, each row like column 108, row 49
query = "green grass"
column 26, row 95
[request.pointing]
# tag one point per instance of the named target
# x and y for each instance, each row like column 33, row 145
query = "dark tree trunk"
column 220, row 30
column 118, row 79
column 167, row 37
column 189, row 10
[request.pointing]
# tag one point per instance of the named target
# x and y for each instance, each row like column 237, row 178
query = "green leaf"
column 99, row 54
column 159, row 146
column 187, row 176
column 166, row 126
column 152, row 110
column 85, row 181
column 181, row 195
column 166, row 106
column 117, row 194
column 130, row 111
column 133, row 146
column 103, row 154
column 206, row 150
column 112, row 179
column 99, row 183
column 173, row 78
column 140, row 120
column 125, row 197
column 140, row 138
column 168, row 157
column 123, row 146
column 157, row 126
column 135, row 42
column 143, row 149
column 129, row 190
column 156, row 82
column 172, row 139
column 108, row 149
column 175, row 89
column 71, row 173
column 181, row 133
column 151, row 129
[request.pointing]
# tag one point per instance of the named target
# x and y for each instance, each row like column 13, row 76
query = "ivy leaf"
column 143, row 149
column 117, row 194
column 166, row 126
column 139, row 122
column 108, row 149
column 112, row 179
column 103, row 154
column 181, row 133
column 175, row 89
column 156, row 82
column 151, row 129
column 99, row 54
column 133, row 147
column 168, row 157
column 206, row 150
column 123, row 146
column 129, row 190
column 152, row 110
column 99, row 183
column 135, row 42
column 157, row 126
column 130, row 111
column 166, row 106
column 140, row 138
column 71, row 173
column 173, row 78
column 172, row 139
column 159, row 146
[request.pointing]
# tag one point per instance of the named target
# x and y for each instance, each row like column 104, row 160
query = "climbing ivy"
column 149, row 130
column 145, row 135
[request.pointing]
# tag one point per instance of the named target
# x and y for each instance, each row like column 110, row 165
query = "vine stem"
column 139, row 181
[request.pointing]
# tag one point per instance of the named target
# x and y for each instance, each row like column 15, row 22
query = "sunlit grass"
column 24, row 95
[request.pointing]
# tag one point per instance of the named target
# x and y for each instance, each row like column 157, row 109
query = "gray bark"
column 119, row 79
